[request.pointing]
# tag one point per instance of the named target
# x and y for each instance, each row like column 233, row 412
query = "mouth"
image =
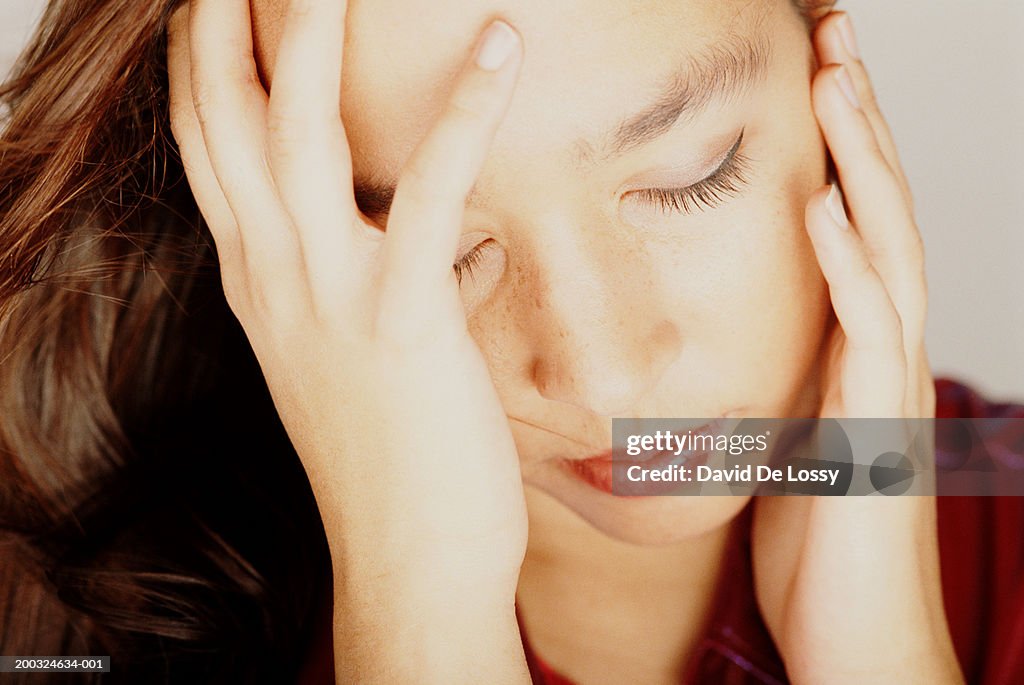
column 608, row 471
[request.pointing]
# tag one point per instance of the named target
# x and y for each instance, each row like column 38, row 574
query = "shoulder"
column 981, row 542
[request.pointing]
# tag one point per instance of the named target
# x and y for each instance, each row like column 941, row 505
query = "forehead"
column 586, row 64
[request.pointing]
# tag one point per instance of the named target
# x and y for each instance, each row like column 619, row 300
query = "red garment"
column 981, row 545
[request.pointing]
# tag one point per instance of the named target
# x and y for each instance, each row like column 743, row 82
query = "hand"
column 362, row 335
column 849, row 586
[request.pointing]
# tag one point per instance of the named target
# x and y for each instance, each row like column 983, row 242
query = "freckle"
column 665, row 334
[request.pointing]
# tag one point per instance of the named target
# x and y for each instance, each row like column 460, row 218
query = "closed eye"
column 464, row 267
column 726, row 181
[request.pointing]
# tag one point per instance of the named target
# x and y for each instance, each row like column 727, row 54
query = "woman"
column 637, row 205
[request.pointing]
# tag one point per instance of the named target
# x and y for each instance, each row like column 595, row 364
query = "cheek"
column 750, row 299
column 747, row 268
column 778, row 287
column 764, row 277
column 775, row 328
column 771, row 289
column 751, row 257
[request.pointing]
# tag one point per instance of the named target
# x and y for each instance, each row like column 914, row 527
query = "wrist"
column 915, row 664
column 414, row 633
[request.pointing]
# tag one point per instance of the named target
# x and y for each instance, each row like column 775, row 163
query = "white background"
column 950, row 77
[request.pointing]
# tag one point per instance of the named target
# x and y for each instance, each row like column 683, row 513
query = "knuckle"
column 249, row 78
column 916, row 253
column 865, row 91
column 877, row 157
column 880, row 174
column 203, row 101
column 234, row 292
column 821, row 82
column 282, row 130
column 301, row 11
column 303, row 135
column 913, row 326
column 183, row 125
column 471, row 113
column 292, row 134
column 465, row 108
column 428, row 181
column 228, row 249
column 895, row 325
column 860, row 266
column 868, row 99
column 191, row 167
column 269, row 295
column 223, row 90
column 474, row 99
column 416, row 183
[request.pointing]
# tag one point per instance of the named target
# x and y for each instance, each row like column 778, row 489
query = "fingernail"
column 846, row 85
column 848, row 37
column 497, row 46
column 834, row 205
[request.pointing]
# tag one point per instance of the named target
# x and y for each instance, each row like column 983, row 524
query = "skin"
column 572, row 336
column 588, row 305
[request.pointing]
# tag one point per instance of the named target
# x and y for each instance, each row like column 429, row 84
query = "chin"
column 647, row 521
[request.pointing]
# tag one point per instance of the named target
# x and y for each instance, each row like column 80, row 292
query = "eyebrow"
column 374, row 197
column 725, row 70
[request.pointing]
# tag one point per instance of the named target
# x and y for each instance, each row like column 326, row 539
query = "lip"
column 607, row 473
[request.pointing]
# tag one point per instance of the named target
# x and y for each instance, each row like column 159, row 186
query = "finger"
column 309, row 154
column 192, row 148
column 426, row 216
column 231, row 107
column 874, row 366
column 836, row 43
column 876, row 200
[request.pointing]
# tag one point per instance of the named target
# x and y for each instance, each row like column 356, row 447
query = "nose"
column 600, row 341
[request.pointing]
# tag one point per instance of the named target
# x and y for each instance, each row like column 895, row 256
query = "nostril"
column 604, row 378
column 598, row 391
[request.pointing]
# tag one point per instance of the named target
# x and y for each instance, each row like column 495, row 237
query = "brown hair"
column 151, row 505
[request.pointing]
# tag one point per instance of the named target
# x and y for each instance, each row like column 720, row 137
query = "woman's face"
column 596, row 286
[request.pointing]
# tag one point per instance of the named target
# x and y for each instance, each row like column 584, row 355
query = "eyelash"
column 464, row 267
column 724, row 182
